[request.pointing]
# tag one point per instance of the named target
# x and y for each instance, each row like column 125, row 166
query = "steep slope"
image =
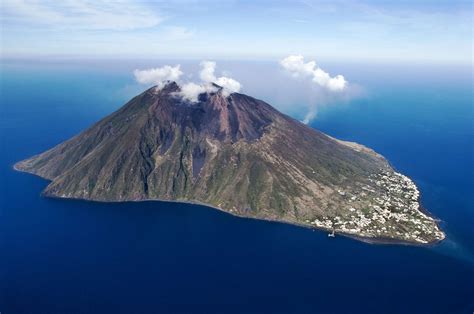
column 240, row 155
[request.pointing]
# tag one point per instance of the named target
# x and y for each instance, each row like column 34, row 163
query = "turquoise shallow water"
column 63, row 256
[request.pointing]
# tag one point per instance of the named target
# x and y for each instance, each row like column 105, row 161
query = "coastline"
column 367, row 240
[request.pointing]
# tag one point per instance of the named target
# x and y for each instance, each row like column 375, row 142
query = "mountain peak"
column 241, row 155
column 165, row 87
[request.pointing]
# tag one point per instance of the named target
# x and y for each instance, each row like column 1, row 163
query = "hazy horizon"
column 296, row 97
column 394, row 76
column 375, row 31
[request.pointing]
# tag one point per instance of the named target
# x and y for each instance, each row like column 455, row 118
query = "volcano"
column 239, row 154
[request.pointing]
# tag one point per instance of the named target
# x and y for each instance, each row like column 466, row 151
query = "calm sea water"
column 60, row 256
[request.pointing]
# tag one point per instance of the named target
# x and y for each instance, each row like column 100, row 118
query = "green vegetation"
column 255, row 162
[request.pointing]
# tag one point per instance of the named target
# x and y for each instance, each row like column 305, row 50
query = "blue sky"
column 376, row 31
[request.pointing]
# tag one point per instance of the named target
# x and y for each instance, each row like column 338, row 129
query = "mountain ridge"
column 239, row 154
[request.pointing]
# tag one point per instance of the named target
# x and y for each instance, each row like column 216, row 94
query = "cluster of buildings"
column 388, row 208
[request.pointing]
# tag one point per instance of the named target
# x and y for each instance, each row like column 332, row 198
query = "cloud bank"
column 190, row 91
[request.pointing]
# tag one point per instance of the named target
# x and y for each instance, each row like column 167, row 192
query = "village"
column 394, row 212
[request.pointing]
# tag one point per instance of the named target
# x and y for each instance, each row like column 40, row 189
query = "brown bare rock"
column 240, row 155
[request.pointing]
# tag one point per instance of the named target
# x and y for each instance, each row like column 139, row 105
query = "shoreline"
column 367, row 240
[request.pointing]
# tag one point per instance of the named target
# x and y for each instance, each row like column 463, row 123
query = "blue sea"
column 64, row 256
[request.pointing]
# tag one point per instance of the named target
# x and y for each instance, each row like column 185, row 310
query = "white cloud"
column 296, row 66
column 80, row 14
column 158, row 76
column 207, row 75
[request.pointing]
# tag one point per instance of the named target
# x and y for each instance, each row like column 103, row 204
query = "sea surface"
column 64, row 256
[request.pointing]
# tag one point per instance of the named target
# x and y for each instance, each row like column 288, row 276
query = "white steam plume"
column 296, row 66
column 207, row 75
column 324, row 88
column 207, row 71
column 190, row 91
column 310, row 115
column 158, row 76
